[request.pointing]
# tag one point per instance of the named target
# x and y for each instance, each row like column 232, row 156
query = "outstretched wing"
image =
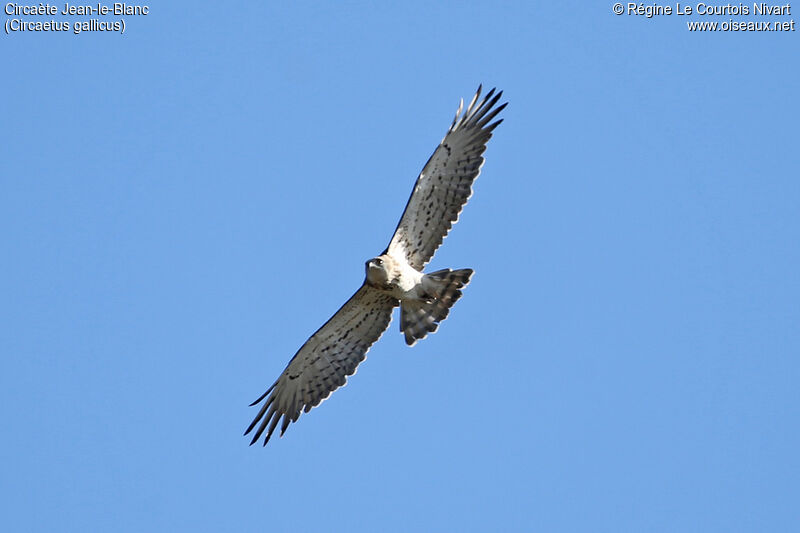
column 445, row 183
column 326, row 359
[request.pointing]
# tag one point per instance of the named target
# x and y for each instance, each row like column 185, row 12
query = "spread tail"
column 443, row 289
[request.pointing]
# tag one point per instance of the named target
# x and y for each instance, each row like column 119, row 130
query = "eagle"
column 393, row 278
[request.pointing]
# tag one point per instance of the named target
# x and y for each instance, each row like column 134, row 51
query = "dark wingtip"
column 251, row 426
column 263, row 396
column 493, row 125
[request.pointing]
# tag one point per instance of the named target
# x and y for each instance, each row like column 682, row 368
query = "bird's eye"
column 379, row 261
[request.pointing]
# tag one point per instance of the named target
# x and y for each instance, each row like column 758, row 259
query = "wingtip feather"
column 264, row 395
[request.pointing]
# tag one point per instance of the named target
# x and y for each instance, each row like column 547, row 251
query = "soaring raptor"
column 393, row 278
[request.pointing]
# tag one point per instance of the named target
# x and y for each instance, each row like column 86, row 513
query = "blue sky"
column 184, row 204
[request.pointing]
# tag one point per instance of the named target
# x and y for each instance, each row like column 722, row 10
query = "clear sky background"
column 183, row 205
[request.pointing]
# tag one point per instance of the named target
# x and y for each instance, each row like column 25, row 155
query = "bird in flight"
column 393, row 278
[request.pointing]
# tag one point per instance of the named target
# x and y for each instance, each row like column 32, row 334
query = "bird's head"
column 376, row 271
